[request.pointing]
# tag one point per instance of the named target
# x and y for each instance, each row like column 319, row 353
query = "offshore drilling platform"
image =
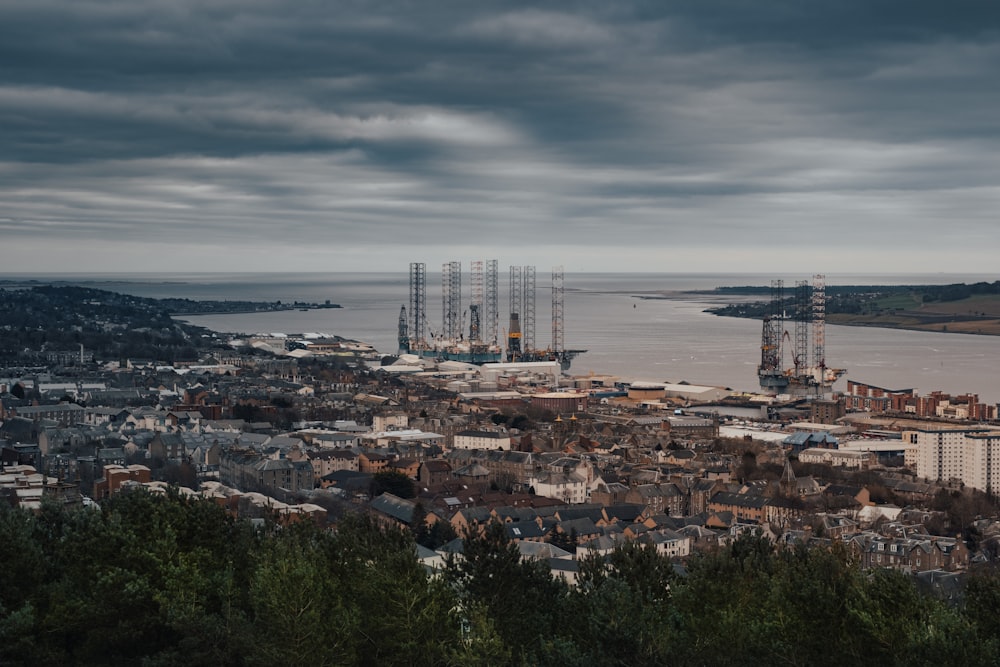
column 473, row 335
column 808, row 376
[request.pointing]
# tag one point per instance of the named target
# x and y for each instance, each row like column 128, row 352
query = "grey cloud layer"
column 761, row 127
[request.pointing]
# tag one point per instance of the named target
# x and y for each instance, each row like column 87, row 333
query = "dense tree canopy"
column 163, row 580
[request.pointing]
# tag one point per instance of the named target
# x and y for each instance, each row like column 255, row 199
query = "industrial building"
column 473, row 335
column 562, row 402
column 884, row 449
column 808, row 376
column 695, row 393
column 838, row 457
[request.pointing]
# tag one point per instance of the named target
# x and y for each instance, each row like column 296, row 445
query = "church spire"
column 789, row 484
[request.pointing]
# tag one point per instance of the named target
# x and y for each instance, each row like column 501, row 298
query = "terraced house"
column 910, row 554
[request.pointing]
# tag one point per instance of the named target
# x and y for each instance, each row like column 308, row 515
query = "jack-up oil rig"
column 481, row 343
column 802, row 379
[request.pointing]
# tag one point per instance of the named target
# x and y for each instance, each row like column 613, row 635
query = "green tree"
column 718, row 605
column 418, row 523
column 100, row 605
column 140, row 579
column 21, row 555
column 565, row 541
column 520, row 598
column 520, row 422
column 982, row 599
column 432, row 535
column 806, row 610
column 625, row 604
column 402, row 615
column 292, row 596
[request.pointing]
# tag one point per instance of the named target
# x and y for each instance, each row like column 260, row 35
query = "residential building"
column 910, row 554
column 390, row 421
column 167, row 447
column 248, row 470
column 826, row 411
column 478, row 439
column 668, row 543
column 373, row 463
column 658, row 499
column 435, row 472
column 869, row 398
column 66, row 414
column 570, row 488
column 408, row 467
column 511, row 468
column 981, row 461
column 326, row 461
column 117, row 476
column 969, row 456
column 746, row 508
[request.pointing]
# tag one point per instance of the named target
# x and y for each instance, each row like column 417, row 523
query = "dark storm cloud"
column 355, row 125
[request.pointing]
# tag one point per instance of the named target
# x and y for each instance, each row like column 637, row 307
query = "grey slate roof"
column 394, row 506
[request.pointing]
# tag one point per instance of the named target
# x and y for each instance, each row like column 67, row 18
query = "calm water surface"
column 668, row 339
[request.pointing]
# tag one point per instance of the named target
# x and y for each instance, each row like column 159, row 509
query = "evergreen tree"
column 519, row 597
column 162, row 580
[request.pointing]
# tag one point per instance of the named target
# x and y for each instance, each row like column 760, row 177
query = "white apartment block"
column 982, row 461
column 571, row 488
column 970, row 456
column 481, row 440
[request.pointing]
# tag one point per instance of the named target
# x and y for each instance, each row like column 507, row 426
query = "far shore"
column 927, row 320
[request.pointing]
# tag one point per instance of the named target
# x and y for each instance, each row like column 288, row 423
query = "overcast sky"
column 855, row 135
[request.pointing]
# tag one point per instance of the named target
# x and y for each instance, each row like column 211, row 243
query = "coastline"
column 946, row 320
column 668, row 337
column 950, row 327
column 248, row 311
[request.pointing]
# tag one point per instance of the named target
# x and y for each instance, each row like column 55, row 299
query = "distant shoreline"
column 954, row 326
column 248, row 311
column 976, row 314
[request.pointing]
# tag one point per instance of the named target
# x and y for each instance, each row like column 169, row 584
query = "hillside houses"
column 584, row 482
column 326, row 461
column 909, row 554
column 250, row 470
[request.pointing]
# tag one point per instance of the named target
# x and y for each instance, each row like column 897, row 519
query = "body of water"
column 658, row 339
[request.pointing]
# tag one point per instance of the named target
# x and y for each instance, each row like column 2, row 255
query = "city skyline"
column 711, row 137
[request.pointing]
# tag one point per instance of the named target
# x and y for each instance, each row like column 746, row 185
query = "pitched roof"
column 623, row 512
column 525, row 530
column 739, row 499
column 394, row 506
column 582, row 526
column 540, row 550
column 594, row 513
